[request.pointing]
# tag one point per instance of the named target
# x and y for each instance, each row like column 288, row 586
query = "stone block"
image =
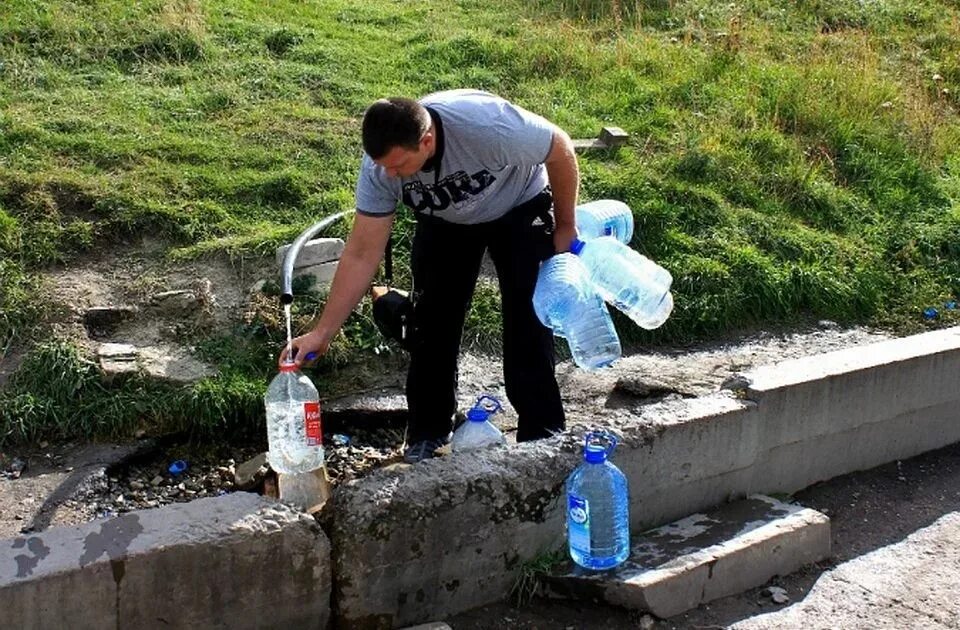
column 320, row 275
column 236, row 561
column 613, row 136
column 315, row 252
column 703, row 557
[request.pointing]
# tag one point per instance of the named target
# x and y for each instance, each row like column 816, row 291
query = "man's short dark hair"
column 394, row 122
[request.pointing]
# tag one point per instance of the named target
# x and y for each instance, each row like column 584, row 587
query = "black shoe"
column 424, row 449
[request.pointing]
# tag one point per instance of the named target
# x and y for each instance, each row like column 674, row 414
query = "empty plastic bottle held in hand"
column 294, row 431
column 633, row 283
column 567, row 304
column 605, row 217
column 478, row 431
column 598, row 516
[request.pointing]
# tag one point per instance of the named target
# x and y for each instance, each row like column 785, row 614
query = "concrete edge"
column 401, row 529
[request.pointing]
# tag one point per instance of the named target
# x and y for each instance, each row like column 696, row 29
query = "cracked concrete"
column 910, row 584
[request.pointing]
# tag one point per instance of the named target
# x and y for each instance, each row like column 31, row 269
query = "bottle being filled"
column 566, row 302
column 598, row 517
column 294, row 430
column 605, row 217
column 633, row 283
column 478, row 432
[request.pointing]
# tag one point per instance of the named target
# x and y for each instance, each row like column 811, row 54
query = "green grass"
column 786, row 160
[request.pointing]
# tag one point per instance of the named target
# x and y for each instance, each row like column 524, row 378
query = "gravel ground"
column 31, row 476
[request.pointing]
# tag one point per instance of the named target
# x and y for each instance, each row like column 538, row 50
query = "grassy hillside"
column 786, row 158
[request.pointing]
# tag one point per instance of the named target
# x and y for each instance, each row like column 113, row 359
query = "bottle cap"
column 595, row 454
column 288, row 366
column 478, row 415
column 598, row 446
column 576, row 245
column 485, row 406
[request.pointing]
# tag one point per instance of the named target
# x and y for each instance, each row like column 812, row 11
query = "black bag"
column 392, row 308
column 393, row 314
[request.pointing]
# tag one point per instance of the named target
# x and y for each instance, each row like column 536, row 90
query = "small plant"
column 527, row 584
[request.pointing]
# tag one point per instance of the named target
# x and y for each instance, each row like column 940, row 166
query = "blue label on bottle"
column 578, row 523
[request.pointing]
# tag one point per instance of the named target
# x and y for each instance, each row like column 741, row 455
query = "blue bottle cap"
column 598, row 446
column 485, row 406
column 576, row 245
column 478, row 415
column 930, row 313
column 177, row 467
column 595, row 454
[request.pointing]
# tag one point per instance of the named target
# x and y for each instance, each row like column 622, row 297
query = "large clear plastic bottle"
column 633, row 283
column 605, row 217
column 598, row 507
column 478, row 431
column 294, row 430
column 566, row 303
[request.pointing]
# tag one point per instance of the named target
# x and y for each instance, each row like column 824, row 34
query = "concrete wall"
column 237, row 561
column 451, row 534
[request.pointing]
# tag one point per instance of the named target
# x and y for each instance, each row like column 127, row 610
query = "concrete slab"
column 909, row 584
column 321, row 275
column 703, row 557
column 315, row 252
column 223, row 562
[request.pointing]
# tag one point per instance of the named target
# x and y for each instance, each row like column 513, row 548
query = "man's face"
column 404, row 162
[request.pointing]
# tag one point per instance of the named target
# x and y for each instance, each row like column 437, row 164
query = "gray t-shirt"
column 492, row 155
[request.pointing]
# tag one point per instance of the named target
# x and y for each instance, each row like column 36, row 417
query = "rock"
column 173, row 365
column 646, row 622
column 315, row 252
column 117, row 359
column 641, row 388
column 251, row 472
column 17, row 466
column 174, row 303
column 156, row 481
column 737, row 382
column 777, row 594
column 320, row 275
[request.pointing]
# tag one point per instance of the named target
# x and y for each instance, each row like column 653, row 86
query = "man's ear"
column 428, row 140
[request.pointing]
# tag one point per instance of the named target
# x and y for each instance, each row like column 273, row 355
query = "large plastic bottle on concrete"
column 605, row 217
column 566, row 303
column 478, row 432
column 598, row 507
column 633, row 283
column 294, row 430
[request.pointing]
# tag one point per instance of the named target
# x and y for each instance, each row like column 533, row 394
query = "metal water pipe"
column 290, row 258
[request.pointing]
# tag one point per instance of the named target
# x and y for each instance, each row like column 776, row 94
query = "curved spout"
column 291, row 256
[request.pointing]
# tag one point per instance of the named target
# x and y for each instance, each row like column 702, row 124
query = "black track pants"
column 446, row 262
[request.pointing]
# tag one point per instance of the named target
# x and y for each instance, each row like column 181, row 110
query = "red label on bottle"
column 311, row 417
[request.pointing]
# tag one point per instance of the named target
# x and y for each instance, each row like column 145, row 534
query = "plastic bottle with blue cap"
column 604, row 217
column 294, row 428
column 567, row 303
column 633, row 283
column 478, row 432
column 598, row 507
